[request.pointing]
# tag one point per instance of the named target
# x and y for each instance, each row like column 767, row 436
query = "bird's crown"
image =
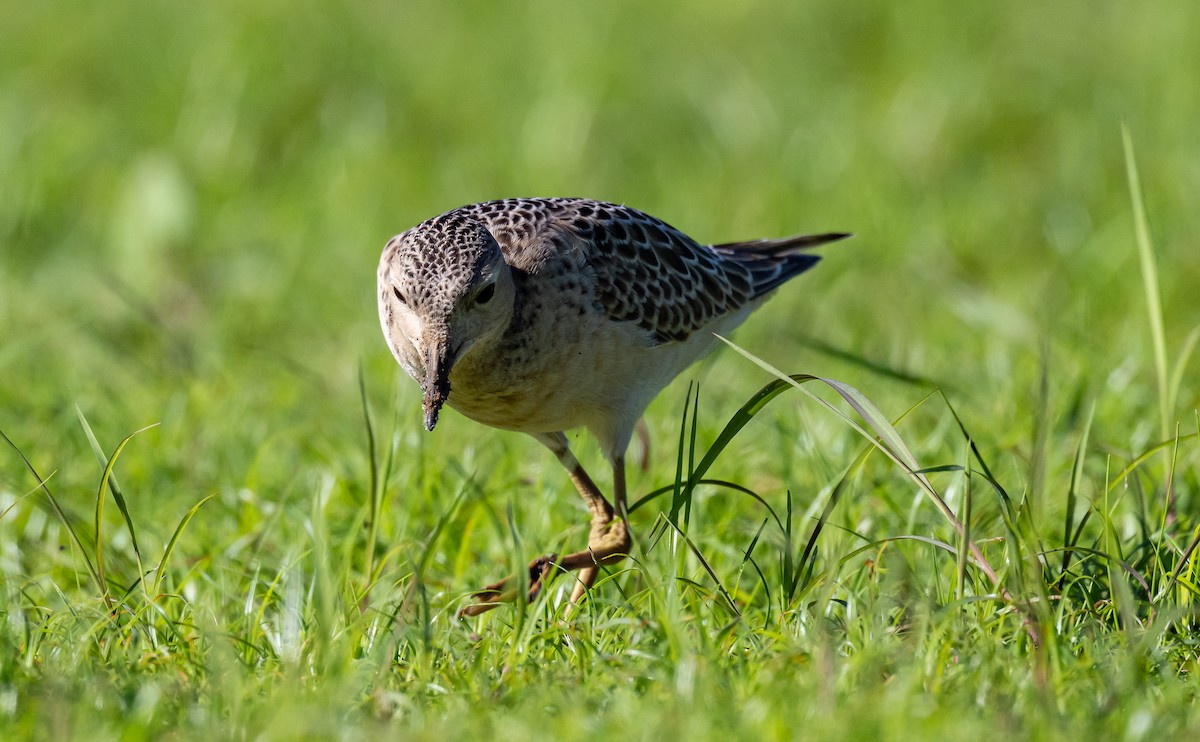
column 439, row 259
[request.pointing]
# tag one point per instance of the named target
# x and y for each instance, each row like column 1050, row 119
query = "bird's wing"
column 646, row 271
column 651, row 273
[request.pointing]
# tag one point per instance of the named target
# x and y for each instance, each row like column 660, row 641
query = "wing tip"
column 783, row 245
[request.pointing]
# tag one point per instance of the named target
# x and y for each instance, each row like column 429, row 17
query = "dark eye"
column 486, row 293
column 399, row 296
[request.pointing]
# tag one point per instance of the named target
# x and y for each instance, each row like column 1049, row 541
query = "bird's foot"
column 609, row 543
column 541, row 571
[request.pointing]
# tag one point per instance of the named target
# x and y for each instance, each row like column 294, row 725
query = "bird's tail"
column 780, row 246
column 771, row 262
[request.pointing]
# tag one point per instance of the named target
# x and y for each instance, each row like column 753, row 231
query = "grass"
column 219, row 513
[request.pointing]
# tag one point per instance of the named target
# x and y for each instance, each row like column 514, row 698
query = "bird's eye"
column 399, row 296
column 486, row 293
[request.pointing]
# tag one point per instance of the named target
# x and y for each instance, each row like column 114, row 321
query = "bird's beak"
column 436, row 384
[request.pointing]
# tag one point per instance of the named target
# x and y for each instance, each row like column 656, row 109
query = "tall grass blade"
column 1073, row 495
column 691, row 456
column 374, row 488
column 1181, row 364
column 655, row 494
column 891, row 445
column 1149, row 282
column 118, row 495
column 680, row 493
column 105, row 480
column 787, row 560
column 1168, row 513
column 886, row 438
column 17, row 501
column 1145, row 456
column 729, row 601
column 62, row 515
column 170, row 547
column 964, row 538
column 1184, row 561
column 804, row 568
column 762, row 578
column 1041, row 435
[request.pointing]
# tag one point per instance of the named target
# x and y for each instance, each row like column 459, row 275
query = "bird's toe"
column 541, row 571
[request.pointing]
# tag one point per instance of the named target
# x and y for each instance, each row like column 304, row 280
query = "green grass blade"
column 169, row 549
column 800, row 569
column 729, row 601
column 655, row 494
column 886, row 437
column 374, row 488
column 427, row 550
column 1149, row 268
column 679, row 491
column 118, row 495
column 18, row 500
column 803, row 568
column 739, row 420
column 1183, row 562
column 748, row 556
column 62, row 514
column 960, row 572
column 1144, row 456
column 105, row 480
column 892, row 445
column 1181, row 364
column 1073, row 494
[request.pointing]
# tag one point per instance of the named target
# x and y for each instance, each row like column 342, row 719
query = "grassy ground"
column 192, row 202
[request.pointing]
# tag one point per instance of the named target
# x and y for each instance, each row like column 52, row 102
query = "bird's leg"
column 608, row 539
column 643, row 437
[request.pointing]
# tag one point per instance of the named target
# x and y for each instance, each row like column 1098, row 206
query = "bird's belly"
column 558, row 392
column 520, row 411
column 602, row 379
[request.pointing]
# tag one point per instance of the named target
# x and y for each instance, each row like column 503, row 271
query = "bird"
column 542, row 315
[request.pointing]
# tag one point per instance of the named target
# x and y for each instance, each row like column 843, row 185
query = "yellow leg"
column 608, row 539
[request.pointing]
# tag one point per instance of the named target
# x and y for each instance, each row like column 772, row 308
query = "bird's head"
column 443, row 287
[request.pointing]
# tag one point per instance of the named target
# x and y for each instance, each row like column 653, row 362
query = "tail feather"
column 772, row 262
column 782, row 245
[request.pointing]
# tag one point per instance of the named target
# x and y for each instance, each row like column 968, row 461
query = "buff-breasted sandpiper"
column 543, row 315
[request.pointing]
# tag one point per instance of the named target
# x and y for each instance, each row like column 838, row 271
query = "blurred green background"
column 193, row 197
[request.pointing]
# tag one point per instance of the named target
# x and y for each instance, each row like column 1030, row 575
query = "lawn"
column 221, row 517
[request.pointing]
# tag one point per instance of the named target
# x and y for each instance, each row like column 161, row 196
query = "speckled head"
column 443, row 285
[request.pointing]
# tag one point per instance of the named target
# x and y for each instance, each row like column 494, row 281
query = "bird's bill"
column 436, row 384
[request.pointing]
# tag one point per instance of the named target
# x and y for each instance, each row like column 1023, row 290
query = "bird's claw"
column 541, row 571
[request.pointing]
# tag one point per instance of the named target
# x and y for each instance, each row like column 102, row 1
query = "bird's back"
column 645, row 271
